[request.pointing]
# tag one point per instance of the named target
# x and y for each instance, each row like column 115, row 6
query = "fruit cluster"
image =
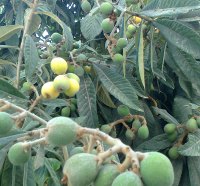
column 135, row 125
column 62, row 83
column 85, row 167
column 172, row 130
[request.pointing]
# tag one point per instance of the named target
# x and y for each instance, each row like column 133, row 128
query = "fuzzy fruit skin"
column 76, row 150
column 73, row 89
column 81, row 58
column 86, row 6
column 173, row 136
column 27, row 86
column 61, row 131
column 61, row 83
column 56, row 37
column 127, row 179
column 18, row 154
column 191, row 125
column 156, row 170
column 59, row 65
column 136, row 124
column 131, row 29
column 122, row 42
column 106, row 175
column 81, row 169
column 128, row 35
column 173, row 153
column 129, row 134
column 106, row 8
column 106, row 128
column 123, row 110
column 73, row 76
column 107, row 25
column 73, row 107
column 6, row 123
column 65, row 111
column 143, row 132
column 169, row 128
column 118, row 58
column 48, row 91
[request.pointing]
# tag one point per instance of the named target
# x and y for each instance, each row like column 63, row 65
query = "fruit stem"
column 65, row 152
column 24, row 112
column 5, row 107
column 26, row 28
column 37, row 141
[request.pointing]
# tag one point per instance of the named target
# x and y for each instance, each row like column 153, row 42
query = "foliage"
column 157, row 78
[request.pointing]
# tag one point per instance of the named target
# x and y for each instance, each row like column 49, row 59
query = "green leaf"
column 192, row 147
column 181, row 109
column 52, row 172
column 91, row 26
column 66, row 30
column 8, row 31
column 140, row 56
column 86, row 99
column 186, row 64
column 104, row 97
column 28, row 177
column 31, row 57
column 35, row 21
column 156, row 143
column 180, row 35
column 178, row 169
column 118, row 86
column 194, row 170
column 160, row 4
column 8, row 88
column 165, row 115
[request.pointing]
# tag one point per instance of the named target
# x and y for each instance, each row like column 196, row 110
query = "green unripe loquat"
column 118, row 58
column 81, row 169
column 71, row 68
column 65, row 111
column 74, row 101
column 131, row 29
column 56, row 37
column 81, row 58
column 61, row 131
column 128, row 35
column 123, row 110
column 106, row 8
column 72, row 107
column 127, row 179
column 143, row 132
column 191, row 125
column 130, row 135
column 27, row 86
column 106, row 128
column 136, row 124
column 86, row 6
column 173, row 152
column 79, row 71
column 61, row 83
column 19, row 153
column 87, row 69
column 106, row 175
column 198, row 121
column 173, row 136
column 122, row 42
column 107, row 25
column 6, row 123
column 76, row 150
column 156, row 170
column 170, row 128
column 73, row 76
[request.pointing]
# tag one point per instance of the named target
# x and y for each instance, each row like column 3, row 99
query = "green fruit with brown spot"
column 81, row 169
column 6, row 123
column 19, row 153
column 156, row 170
column 106, row 175
column 127, row 179
column 61, row 83
column 61, row 131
